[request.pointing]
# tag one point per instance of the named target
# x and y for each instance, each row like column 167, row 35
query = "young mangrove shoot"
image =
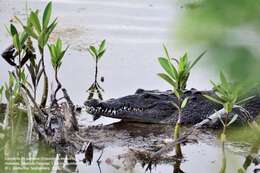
column 177, row 74
column 227, row 94
column 41, row 32
column 97, row 53
column 57, row 54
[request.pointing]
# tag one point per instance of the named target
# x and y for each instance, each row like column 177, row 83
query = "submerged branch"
column 71, row 109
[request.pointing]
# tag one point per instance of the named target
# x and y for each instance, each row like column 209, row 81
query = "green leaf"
column 34, row 19
column 101, row 54
column 16, row 42
column 196, row 60
column 47, row 15
column 93, row 50
column 51, row 28
column 41, row 40
column 52, row 53
column 64, row 51
column 167, row 66
column 183, row 63
column 30, row 31
column 184, row 102
column 166, row 51
column 102, row 46
column 245, row 100
column 167, row 79
column 13, row 30
column 58, row 46
column 23, row 37
column 213, row 99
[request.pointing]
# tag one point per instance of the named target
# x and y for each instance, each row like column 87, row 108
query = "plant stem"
column 46, row 83
column 96, row 70
column 223, row 139
column 34, row 93
column 177, row 129
column 58, row 83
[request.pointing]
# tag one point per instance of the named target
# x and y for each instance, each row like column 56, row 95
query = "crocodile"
column 154, row 106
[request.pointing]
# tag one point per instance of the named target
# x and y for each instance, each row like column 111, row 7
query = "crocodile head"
column 153, row 105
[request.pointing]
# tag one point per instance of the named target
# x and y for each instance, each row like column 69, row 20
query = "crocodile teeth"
column 109, row 111
column 114, row 112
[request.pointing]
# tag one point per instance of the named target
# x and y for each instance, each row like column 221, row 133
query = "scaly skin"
column 156, row 107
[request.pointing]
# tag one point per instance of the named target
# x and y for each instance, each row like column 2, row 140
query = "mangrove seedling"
column 96, row 53
column 41, row 32
column 17, row 55
column 57, row 55
column 227, row 94
column 177, row 76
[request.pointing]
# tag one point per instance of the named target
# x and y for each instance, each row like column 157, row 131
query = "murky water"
column 135, row 31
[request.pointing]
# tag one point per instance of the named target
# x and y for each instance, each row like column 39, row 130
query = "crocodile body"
column 153, row 106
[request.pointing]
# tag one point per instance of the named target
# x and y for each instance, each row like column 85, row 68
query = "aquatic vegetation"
column 227, row 94
column 57, row 55
column 21, row 54
column 34, row 69
column 22, row 48
column 41, row 31
column 97, row 53
column 177, row 76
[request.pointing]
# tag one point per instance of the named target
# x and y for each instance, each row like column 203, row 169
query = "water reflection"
column 177, row 167
column 126, row 145
column 95, row 89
